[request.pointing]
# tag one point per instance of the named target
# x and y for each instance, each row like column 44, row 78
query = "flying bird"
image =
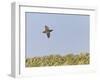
column 47, row 31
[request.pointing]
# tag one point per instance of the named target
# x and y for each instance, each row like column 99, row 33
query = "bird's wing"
column 46, row 27
column 48, row 35
column 50, row 30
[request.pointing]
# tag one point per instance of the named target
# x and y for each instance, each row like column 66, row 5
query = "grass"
column 58, row 60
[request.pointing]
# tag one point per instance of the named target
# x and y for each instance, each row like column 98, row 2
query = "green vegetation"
column 58, row 60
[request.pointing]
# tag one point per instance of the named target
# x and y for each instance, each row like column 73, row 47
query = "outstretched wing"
column 48, row 35
column 46, row 27
column 50, row 30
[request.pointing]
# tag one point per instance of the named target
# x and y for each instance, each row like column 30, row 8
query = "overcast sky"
column 70, row 34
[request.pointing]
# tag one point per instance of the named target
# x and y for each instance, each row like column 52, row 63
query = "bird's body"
column 47, row 31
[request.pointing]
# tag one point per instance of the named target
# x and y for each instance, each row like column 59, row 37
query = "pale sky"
column 70, row 34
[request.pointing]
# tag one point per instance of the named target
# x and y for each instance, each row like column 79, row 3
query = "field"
column 58, row 60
